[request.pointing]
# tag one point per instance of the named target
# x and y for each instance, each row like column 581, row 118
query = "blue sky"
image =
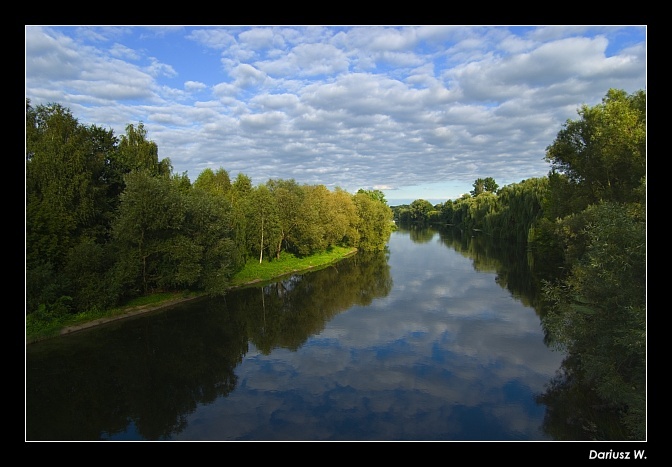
column 417, row 112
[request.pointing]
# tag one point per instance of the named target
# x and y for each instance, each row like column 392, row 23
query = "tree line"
column 584, row 226
column 108, row 221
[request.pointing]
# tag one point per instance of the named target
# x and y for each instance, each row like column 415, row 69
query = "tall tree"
column 342, row 218
column 289, row 198
column 136, row 152
column 482, row 185
column 209, row 225
column 216, row 182
column 263, row 221
column 375, row 222
column 602, row 155
column 148, row 233
column 66, row 195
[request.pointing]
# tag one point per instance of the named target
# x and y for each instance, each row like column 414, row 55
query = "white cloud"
column 356, row 107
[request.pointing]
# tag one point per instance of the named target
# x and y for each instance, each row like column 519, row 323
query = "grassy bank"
column 42, row 326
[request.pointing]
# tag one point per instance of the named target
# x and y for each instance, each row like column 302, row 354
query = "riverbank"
column 254, row 273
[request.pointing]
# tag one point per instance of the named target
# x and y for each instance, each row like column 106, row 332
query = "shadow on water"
column 142, row 376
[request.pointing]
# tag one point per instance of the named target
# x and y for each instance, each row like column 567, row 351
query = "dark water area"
column 435, row 339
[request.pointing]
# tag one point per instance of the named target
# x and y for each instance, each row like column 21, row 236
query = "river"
column 435, row 339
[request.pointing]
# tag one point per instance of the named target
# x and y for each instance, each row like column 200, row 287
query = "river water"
column 435, row 339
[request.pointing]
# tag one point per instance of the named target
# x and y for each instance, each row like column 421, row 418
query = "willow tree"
column 519, row 207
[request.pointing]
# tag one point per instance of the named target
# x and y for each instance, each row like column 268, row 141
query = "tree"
column 209, row 225
column 601, row 156
column 289, row 197
column 375, row 194
column 136, row 152
column 420, row 209
column 482, row 185
column 375, row 222
column 240, row 197
column 153, row 250
column 215, row 182
column 342, row 214
column 310, row 234
column 69, row 202
column 263, row 221
column 599, row 312
column 65, row 197
column 519, row 207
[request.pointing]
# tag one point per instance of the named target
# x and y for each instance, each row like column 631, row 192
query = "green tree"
column 153, row 251
column 375, row 194
column 68, row 203
column 519, row 207
column 264, row 229
column 215, row 182
column 240, row 197
column 599, row 311
column 289, row 199
column 65, row 194
column 375, row 222
column 210, row 227
column 420, row 209
column 314, row 221
column 136, row 152
column 343, row 219
column 601, row 156
column 482, row 185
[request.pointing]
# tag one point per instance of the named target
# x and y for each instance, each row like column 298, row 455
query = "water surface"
column 435, row 339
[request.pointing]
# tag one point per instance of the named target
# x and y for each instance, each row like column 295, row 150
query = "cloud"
column 353, row 106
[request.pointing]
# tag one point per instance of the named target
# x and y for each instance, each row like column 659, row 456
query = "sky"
column 417, row 112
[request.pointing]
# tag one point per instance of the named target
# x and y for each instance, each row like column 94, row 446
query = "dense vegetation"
column 108, row 222
column 585, row 228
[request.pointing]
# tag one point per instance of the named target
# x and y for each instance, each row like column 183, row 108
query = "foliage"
column 599, row 311
column 603, row 154
column 375, row 194
column 419, row 211
column 214, row 182
column 519, row 207
column 374, row 222
column 483, row 185
column 136, row 153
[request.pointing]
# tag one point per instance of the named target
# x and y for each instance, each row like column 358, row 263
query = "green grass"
column 271, row 268
column 40, row 326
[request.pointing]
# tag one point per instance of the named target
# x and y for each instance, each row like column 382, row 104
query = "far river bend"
column 436, row 339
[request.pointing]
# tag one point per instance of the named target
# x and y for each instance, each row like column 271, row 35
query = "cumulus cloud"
column 403, row 107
